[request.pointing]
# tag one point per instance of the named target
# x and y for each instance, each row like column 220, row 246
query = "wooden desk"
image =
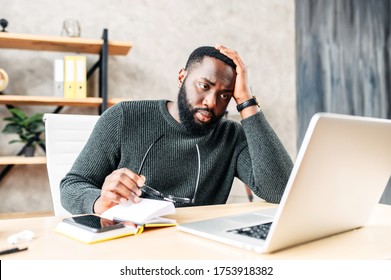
column 370, row 242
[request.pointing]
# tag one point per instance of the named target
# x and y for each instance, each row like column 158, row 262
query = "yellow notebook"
column 91, row 229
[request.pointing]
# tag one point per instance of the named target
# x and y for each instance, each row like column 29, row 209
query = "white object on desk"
column 23, row 236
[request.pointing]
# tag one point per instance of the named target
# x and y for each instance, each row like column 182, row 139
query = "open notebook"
column 123, row 219
column 339, row 175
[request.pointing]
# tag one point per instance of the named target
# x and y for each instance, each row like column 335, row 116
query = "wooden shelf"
column 19, row 160
column 60, row 44
column 56, row 101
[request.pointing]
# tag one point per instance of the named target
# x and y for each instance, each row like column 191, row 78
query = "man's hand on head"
column 242, row 90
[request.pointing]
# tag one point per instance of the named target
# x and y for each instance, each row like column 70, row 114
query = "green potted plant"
column 29, row 129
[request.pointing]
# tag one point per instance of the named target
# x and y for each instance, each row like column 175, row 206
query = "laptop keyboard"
column 258, row 231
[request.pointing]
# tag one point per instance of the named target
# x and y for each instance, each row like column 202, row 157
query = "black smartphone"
column 94, row 223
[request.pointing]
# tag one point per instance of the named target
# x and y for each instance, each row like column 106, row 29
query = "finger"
column 223, row 49
column 118, row 195
column 134, row 198
column 120, row 183
column 219, row 47
column 129, row 178
column 232, row 55
column 139, row 179
column 110, row 197
column 129, row 224
column 106, row 222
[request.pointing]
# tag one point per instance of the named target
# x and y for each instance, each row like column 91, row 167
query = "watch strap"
column 251, row 102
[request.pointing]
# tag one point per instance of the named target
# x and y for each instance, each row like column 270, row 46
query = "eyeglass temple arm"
column 198, row 175
column 146, row 153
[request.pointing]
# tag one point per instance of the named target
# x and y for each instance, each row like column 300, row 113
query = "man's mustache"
column 195, row 110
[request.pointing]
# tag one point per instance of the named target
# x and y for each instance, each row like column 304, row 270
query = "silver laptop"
column 340, row 173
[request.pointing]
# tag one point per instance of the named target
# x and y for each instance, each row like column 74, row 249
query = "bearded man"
column 183, row 151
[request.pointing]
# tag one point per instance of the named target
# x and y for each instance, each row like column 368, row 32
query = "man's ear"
column 181, row 76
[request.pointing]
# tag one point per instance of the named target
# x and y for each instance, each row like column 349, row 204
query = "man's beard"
column 187, row 112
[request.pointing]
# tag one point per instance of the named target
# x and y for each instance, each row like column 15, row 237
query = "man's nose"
column 210, row 100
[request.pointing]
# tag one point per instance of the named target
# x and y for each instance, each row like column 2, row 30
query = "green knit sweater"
column 250, row 151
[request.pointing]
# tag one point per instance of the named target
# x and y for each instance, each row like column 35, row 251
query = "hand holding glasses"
column 155, row 193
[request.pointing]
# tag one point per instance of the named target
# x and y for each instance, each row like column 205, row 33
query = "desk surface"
column 370, row 242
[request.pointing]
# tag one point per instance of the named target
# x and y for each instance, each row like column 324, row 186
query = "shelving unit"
column 102, row 47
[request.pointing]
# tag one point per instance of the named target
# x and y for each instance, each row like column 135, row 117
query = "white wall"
column 163, row 33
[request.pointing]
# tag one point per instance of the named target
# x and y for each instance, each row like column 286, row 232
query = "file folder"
column 81, row 77
column 59, row 77
column 69, row 76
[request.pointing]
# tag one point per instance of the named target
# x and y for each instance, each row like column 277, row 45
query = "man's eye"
column 203, row 86
column 224, row 96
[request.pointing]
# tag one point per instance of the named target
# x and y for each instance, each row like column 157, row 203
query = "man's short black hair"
column 198, row 54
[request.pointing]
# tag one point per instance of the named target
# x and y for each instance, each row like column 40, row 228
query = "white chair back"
column 65, row 136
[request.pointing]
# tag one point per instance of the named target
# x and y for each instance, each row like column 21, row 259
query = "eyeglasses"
column 175, row 199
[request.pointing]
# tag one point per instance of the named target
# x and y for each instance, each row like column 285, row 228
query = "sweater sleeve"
column 263, row 164
column 81, row 187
